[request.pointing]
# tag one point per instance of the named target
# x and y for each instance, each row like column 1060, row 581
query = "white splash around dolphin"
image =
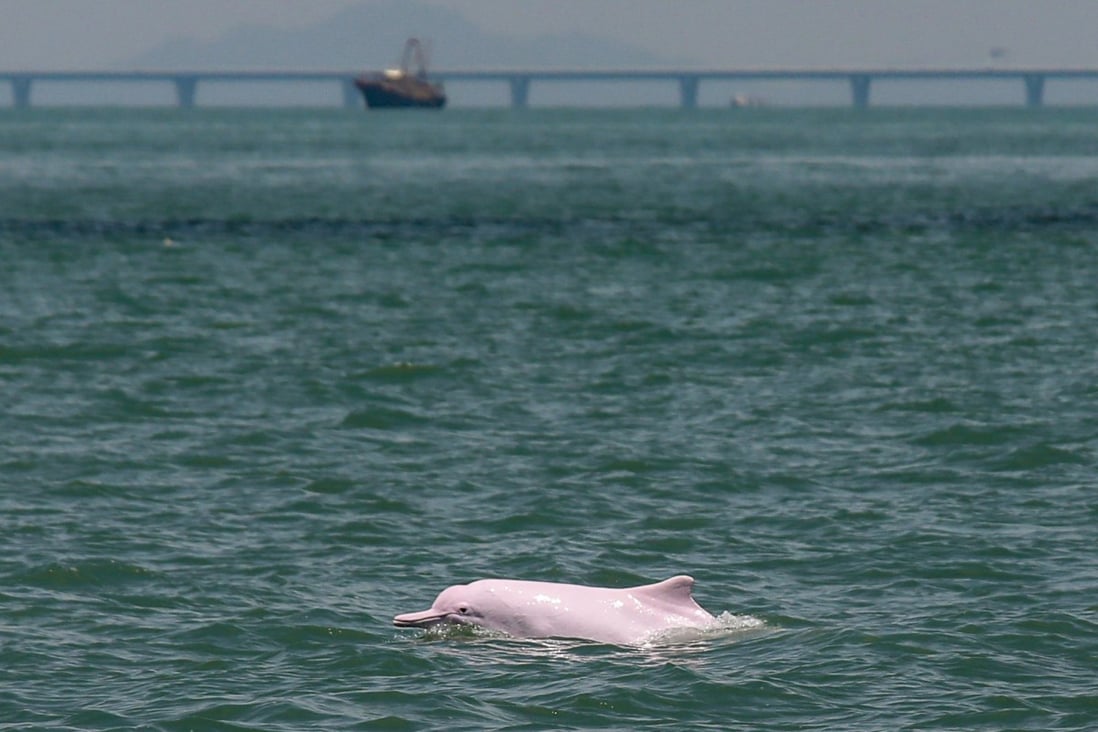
column 663, row 611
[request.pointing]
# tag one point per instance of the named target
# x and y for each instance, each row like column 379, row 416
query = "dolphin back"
column 677, row 591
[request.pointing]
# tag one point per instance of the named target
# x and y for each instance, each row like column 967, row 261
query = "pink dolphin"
column 524, row 609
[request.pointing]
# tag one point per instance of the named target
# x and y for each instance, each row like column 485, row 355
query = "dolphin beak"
column 422, row 619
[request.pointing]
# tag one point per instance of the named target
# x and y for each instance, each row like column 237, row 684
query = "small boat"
column 403, row 87
column 746, row 100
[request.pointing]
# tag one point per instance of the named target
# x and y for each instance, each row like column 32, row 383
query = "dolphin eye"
column 463, row 609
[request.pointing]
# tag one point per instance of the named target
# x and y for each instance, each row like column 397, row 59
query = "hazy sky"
column 47, row 34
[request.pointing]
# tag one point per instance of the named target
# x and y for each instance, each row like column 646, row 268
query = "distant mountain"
column 371, row 35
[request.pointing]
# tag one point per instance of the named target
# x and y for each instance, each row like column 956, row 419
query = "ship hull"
column 388, row 95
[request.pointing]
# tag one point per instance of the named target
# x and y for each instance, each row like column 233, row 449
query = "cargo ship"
column 403, row 87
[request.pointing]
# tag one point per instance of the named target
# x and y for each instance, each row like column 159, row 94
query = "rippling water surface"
column 269, row 378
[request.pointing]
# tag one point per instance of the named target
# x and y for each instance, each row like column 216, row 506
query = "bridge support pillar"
column 352, row 99
column 859, row 90
column 688, row 92
column 185, row 88
column 1035, row 90
column 21, row 92
column 520, row 92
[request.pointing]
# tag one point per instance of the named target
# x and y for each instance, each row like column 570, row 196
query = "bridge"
column 519, row 81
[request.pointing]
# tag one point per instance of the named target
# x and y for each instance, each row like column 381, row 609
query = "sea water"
column 270, row 377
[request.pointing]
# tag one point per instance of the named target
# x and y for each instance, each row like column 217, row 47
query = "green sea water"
column 270, row 377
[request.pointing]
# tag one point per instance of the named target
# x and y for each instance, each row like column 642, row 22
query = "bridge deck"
column 186, row 80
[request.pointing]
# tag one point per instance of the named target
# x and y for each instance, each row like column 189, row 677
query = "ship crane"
column 414, row 52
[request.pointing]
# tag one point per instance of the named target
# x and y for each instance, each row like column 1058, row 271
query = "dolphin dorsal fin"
column 677, row 589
